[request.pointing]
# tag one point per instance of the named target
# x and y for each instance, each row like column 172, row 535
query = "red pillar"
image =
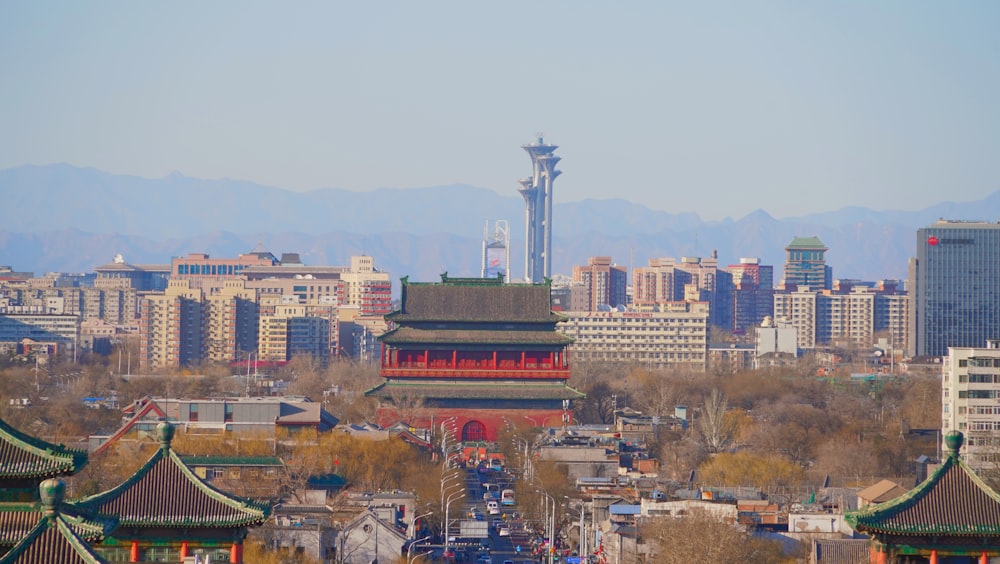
column 454, row 358
column 984, row 558
column 236, row 553
column 184, row 550
column 523, row 364
column 494, row 366
column 934, row 557
column 427, row 358
column 134, row 553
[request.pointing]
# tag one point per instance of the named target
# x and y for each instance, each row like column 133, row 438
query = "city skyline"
column 795, row 109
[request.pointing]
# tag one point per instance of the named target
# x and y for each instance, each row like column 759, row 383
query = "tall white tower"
column 537, row 193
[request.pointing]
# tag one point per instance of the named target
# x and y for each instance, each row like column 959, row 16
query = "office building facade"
column 805, row 264
column 670, row 335
column 955, row 287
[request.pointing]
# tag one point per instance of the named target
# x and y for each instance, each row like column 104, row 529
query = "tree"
column 768, row 472
column 700, row 536
column 599, row 405
column 717, row 425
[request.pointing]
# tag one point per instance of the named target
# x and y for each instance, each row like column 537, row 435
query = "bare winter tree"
column 717, row 427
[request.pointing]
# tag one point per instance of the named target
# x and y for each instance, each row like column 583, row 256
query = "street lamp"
column 447, row 517
column 409, row 549
column 550, row 525
column 445, row 486
column 413, row 523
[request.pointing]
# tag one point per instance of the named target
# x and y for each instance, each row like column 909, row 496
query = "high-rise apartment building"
column 805, row 264
column 848, row 315
column 231, row 316
column 171, row 326
column 970, row 396
column 692, row 279
column 753, row 293
column 606, row 283
column 367, row 287
column 291, row 331
column 955, row 287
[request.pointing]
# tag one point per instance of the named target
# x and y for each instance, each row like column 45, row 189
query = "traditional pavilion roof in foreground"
column 24, row 456
column 951, row 502
column 17, row 520
column 411, row 335
column 166, row 493
column 56, row 537
column 474, row 300
column 498, row 390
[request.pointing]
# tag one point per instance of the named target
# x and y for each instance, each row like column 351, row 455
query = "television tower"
column 537, row 193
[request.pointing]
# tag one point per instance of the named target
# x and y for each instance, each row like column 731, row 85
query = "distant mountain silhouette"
column 70, row 219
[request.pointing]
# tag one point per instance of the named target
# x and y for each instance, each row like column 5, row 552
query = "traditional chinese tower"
column 476, row 352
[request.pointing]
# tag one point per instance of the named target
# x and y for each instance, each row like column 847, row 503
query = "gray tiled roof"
column 529, row 303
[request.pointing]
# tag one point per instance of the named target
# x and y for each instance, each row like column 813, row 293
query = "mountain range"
column 71, row 219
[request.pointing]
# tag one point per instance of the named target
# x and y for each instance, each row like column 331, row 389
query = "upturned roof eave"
column 872, row 519
column 64, row 461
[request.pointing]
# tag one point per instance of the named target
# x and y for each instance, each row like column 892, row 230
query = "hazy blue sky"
column 717, row 108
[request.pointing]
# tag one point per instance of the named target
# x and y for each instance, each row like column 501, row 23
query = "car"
column 508, row 562
column 504, row 531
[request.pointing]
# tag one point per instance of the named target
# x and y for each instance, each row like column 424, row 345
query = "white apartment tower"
column 970, row 401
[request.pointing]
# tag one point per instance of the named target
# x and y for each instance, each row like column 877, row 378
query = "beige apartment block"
column 673, row 335
column 231, row 322
column 857, row 316
column 293, row 329
column 367, row 287
column 171, row 327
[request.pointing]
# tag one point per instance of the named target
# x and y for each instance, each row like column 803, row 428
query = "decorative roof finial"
column 165, row 433
column 51, row 492
column 954, row 440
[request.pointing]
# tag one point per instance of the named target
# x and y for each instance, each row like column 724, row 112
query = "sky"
column 715, row 108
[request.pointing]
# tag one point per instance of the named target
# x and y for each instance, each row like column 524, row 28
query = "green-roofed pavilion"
column 165, row 511
column 953, row 516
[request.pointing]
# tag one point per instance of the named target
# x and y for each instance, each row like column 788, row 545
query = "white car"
column 504, row 531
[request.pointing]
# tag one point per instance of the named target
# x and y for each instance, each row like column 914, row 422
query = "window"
column 193, row 412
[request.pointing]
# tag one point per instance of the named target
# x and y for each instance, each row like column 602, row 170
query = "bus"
column 507, row 497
